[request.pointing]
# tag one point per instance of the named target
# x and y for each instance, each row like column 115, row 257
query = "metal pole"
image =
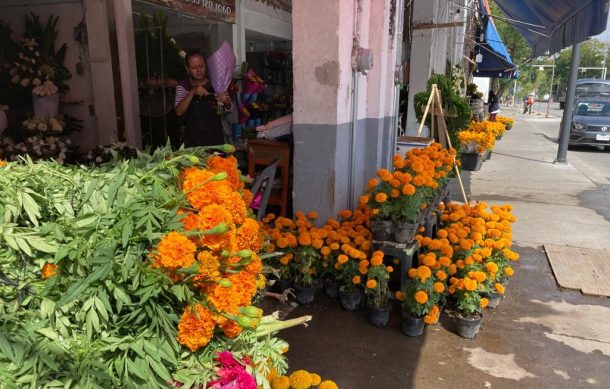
column 564, row 135
column 548, row 103
column 515, row 93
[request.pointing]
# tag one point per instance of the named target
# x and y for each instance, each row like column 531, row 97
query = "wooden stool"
column 262, row 152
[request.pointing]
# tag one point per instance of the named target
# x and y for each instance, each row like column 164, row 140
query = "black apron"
column 203, row 126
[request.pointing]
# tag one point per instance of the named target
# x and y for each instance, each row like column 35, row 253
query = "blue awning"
column 555, row 24
column 495, row 61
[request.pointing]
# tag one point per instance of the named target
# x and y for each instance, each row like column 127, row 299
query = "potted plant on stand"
column 419, row 299
column 378, row 303
column 377, row 200
column 305, row 259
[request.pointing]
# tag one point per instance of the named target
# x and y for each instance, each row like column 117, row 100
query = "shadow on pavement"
column 545, row 136
column 597, row 200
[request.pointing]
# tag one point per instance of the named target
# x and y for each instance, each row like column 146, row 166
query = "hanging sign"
column 223, row 10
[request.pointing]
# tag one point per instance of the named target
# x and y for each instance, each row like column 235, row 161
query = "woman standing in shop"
column 196, row 100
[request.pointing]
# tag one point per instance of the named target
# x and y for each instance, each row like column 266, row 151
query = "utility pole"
column 548, row 103
column 564, row 134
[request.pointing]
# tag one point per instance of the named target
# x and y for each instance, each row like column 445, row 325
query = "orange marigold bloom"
column 195, row 329
column 325, row 250
column 228, row 165
column 389, row 269
column 491, row 267
column 372, row 183
column 508, row 271
column 200, row 191
column 421, row 297
column 430, row 319
column 49, row 270
column 312, row 215
column 499, row 288
column 208, row 265
column 484, row 302
column 248, row 237
column 423, row 272
column 441, row 275
column 412, row 273
column 364, row 199
column 231, row 329
column 400, row 296
column 439, row 287
column 300, row 379
column 176, row 251
column 189, row 220
column 381, row 197
column 342, row 258
column 371, row 284
column 356, row 279
column 395, row 193
column 408, row 190
column 328, row 384
column 225, row 300
column 376, row 261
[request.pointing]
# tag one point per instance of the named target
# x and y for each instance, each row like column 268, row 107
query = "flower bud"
column 193, row 159
column 220, row 228
column 225, row 283
column 219, row 176
column 251, row 311
column 247, row 322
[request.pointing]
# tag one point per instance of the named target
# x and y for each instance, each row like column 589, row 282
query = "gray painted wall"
column 321, row 163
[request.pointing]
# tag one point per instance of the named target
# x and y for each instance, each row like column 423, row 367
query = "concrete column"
column 428, row 51
column 101, row 70
column 323, row 96
column 129, row 79
column 322, row 101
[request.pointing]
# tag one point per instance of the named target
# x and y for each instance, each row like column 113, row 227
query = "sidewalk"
column 539, row 336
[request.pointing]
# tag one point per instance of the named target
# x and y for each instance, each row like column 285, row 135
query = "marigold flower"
column 300, row 379
column 315, row 379
column 412, row 272
column 389, row 269
column 423, row 272
column 484, row 302
column 327, row 385
column 408, row 190
column 421, row 297
column 372, row 183
column 491, row 267
column 376, row 261
column 342, row 259
column 312, row 215
column 400, row 296
column 439, row 287
column 441, row 275
column 371, row 284
column 381, row 197
column 429, row 319
column 196, row 329
column 356, row 280
column 49, row 270
column 499, row 288
column 281, row 382
column 508, row 271
column 176, row 251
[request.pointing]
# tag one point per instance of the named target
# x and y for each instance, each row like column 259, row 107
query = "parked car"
column 591, row 87
column 591, row 122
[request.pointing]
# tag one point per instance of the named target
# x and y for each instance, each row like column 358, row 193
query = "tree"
column 515, row 44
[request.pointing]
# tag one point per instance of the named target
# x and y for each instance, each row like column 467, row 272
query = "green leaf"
column 159, row 369
column 126, row 233
column 23, row 245
column 101, row 309
column 5, row 348
column 31, row 208
column 41, row 245
column 114, row 187
column 135, row 370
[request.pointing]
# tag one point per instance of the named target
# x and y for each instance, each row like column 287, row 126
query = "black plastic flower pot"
column 468, row 326
column 382, row 229
column 281, row 285
column 350, row 301
column 411, row 325
column 331, row 288
column 471, row 161
column 305, row 294
column 404, row 232
column 494, row 300
column 379, row 317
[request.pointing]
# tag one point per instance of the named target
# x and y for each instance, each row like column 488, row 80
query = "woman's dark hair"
column 190, row 54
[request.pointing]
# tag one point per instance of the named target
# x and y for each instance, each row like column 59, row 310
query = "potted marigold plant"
column 349, row 275
column 380, row 203
column 467, row 289
column 376, row 290
column 419, row 299
column 305, row 261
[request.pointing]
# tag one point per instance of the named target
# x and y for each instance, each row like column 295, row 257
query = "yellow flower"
column 484, row 302
column 327, row 385
column 421, row 297
column 281, row 382
column 499, row 288
column 315, row 379
column 49, row 270
column 381, row 197
column 509, row 271
column 439, row 287
column 300, row 379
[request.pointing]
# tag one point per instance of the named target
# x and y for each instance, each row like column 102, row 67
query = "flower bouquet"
column 221, row 65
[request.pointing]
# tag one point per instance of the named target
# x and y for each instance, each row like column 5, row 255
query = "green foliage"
column 409, row 290
column 106, row 319
column 456, row 108
column 386, row 207
column 378, row 296
column 304, row 263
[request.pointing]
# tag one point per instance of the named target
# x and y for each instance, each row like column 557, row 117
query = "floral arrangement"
column 45, row 125
column 508, row 122
column 496, row 129
column 37, row 147
column 299, row 379
column 103, row 154
column 475, row 141
column 376, row 286
column 130, row 279
column 332, row 251
column 402, row 194
column 37, row 66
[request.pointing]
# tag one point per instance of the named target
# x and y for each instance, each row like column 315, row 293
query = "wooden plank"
column 426, row 26
column 580, row 268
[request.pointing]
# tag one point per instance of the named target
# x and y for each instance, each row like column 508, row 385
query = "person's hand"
column 199, row 91
column 223, row 98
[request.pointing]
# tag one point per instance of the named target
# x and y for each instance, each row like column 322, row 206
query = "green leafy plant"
column 305, row 262
column 378, row 276
column 106, row 319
